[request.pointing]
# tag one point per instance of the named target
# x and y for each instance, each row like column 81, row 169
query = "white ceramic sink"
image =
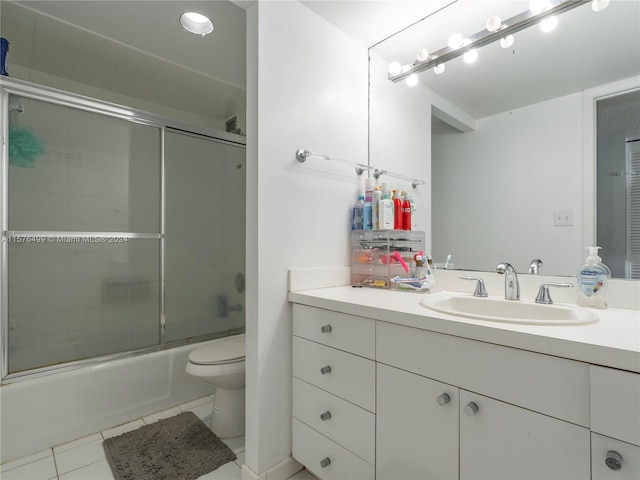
column 495, row 309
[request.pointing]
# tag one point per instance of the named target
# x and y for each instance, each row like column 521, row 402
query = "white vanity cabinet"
column 615, row 424
column 407, row 403
column 334, row 393
column 468, row 434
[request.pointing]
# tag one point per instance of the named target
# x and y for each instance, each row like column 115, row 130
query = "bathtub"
column 40, row 413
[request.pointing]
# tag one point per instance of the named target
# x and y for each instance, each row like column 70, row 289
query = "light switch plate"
column 563, row 218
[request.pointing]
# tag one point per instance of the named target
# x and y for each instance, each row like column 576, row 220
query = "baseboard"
column 285, row 469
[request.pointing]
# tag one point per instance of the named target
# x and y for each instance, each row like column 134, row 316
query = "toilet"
column 221, row 363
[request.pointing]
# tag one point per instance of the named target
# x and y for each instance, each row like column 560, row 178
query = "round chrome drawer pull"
column 443, row 399
column 325, row 462
column 325, row 416
column 325, row 370
column 471, row 408
column 325, row 328
column 613, row 460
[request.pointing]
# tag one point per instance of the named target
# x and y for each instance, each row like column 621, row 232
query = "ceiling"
column 134, row 48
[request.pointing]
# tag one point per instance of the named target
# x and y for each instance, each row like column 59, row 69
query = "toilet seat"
column 219, row 352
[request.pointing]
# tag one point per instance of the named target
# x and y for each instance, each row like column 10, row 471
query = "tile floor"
column 84, row 459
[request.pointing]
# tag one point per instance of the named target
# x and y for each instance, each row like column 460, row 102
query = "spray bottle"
column 593, row 278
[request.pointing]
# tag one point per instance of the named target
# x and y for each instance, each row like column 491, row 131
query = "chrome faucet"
column 511, row 285
column 534, row 266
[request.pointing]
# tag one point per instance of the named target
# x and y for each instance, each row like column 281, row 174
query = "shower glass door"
column 119, row 233
column 205, row 239
column 82, row 235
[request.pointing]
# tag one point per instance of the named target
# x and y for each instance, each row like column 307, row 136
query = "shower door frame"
column 10, row 86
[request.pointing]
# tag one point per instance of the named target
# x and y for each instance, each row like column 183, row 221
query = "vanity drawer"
column 310, row 448
column 339, row 330
column 546, row 384
column 348, row 425
column 615, row 403
column 350, row 377
column 603, row 448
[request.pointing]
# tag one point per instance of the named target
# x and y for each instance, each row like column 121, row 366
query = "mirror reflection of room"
column 511, row 136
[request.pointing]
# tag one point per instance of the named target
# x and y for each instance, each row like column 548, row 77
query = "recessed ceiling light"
column 196, row 23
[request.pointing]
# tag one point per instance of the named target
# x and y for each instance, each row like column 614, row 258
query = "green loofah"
column 24, row 147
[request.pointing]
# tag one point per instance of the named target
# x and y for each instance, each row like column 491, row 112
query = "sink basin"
column 496, row 309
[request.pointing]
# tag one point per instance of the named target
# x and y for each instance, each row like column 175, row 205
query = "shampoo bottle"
column 406, row 213
column 397, row 210
column 357, row 219
column 593, row 278
column 375, row 204
column 385, row 212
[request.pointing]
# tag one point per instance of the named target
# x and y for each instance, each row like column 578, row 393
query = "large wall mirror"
column 509, row 143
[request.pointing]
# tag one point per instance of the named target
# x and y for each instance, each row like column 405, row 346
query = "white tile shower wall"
column 307, row 82
column 64, row 406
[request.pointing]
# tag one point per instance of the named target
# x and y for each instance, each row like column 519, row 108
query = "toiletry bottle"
column 385, row 190
column 357, row 219
column 397, row 210
column 406, row 212
column 431, row 273
column 376, row 196
column 592, row 279
column 385, row 219
column 369, row 183
column 367, row 215
column 414, row 218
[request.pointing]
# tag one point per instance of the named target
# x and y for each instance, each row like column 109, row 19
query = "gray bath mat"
column 175, row 448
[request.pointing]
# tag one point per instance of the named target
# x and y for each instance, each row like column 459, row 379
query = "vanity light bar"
column 512, row 25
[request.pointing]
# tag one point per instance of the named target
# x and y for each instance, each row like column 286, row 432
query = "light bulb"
column 549, row 24
column 507, row 41
column 455, row 41
column 422, row 55
column 599, row 5
column 494, row 23
column 537, row 6
column 412, row 80
column 395, row 68
column 196, row 23
column 438, row 69
column 471, row 56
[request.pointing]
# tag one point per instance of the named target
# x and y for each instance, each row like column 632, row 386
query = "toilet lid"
column 224, row 350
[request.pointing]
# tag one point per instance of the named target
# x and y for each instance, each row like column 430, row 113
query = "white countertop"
column 613, row 341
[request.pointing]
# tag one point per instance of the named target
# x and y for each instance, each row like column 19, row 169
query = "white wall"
column 502, row 183
column 307, row 88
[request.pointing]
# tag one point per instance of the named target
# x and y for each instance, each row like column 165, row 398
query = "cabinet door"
column 416, row 437
column 502, row 441
column 615, row 403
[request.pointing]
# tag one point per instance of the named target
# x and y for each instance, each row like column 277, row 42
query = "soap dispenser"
column 593, row 278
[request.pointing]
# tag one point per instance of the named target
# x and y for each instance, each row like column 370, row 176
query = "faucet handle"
column 480, row 290
column 543, row 293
